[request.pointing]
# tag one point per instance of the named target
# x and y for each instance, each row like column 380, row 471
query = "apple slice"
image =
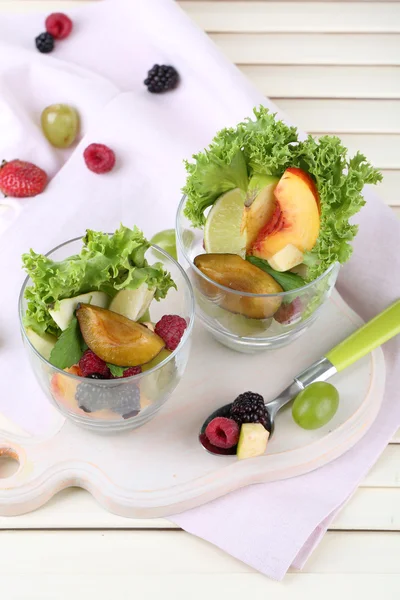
column 286, row 259
column 259, row 206
column 296, row 218
column 253, row 440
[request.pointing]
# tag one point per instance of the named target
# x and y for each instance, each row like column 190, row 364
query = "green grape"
column 166, row 240
column 60, row 124
column 316, row 405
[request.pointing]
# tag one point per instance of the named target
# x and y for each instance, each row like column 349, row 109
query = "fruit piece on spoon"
column 253, row 440
column 232, row 271
column 116, row 339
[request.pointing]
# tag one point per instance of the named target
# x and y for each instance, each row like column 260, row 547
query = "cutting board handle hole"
column 9, row 462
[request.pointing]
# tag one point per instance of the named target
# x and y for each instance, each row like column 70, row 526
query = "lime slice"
column 222, row 233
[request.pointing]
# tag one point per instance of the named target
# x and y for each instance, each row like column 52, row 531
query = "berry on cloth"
column 171, row 329
column 223, row 432
column 99, row 158
column 58, row 25
column 91, row 364
column 44, row 42
column 20, row 179
column 161, row 78
column 132, row 371
column 250, row 408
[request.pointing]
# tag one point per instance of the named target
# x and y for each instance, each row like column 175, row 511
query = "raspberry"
column 223, row 432
column 44, row 42
column 21, row 179
column 58, row 25
column 171, row 328
column 132, row 371
column 161, row 78
column 250, row 408
column 287, row 314
column 91, row 364
column 99, row 158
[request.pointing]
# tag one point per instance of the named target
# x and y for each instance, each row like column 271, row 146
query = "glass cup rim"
column 223, row 288
column 116, row 381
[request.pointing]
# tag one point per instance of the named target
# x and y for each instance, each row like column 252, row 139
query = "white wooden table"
column 334, row 67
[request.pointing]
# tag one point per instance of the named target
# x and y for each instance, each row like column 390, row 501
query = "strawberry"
column 21, row 179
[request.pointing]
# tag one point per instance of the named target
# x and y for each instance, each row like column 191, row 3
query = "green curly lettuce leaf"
column 268, row 144
column 105, row 263
column 339, row 182
column 220, row 168
column 268, row 147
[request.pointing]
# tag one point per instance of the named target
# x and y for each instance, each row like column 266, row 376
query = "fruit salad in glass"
column 263, row 227
column 106, row 322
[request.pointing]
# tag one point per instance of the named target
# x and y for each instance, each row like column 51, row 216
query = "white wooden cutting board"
column 161, row 469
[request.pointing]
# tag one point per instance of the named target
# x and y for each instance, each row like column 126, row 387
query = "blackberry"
column 161, row 78
column 45, row 42
column 95, row 376
column 250, row 408
column 124, row 400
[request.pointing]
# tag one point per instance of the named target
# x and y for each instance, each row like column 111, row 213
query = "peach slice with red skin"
column 296, row 218
column 259, row 206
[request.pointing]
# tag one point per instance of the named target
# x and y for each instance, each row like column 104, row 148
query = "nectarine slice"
column 296, row 217
column 230, row 270
column 116, row 339
column 259, row 206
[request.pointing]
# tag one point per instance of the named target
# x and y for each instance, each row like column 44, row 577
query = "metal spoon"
column 361, row 342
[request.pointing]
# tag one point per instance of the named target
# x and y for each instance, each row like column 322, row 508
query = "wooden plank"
column 50, row 584
column 346, row 116
column 389, row 189
column 386, row 471
column 382, row 150
column 310, row 49
column 155, row 553
column 373, row 507
column 256, row 17
column 325, row 82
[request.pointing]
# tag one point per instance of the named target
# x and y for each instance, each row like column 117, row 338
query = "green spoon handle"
column 371, row 335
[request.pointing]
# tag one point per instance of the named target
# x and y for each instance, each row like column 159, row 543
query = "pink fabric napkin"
column 100, row 69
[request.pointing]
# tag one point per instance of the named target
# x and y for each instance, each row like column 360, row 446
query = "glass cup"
column 126, row 403
column 225, row 312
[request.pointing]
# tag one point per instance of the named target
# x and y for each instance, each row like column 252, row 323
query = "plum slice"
column 116, row 339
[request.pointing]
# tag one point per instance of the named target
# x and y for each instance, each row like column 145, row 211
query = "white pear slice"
column 132, row 304
column 44, row 343
column 66, row 309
